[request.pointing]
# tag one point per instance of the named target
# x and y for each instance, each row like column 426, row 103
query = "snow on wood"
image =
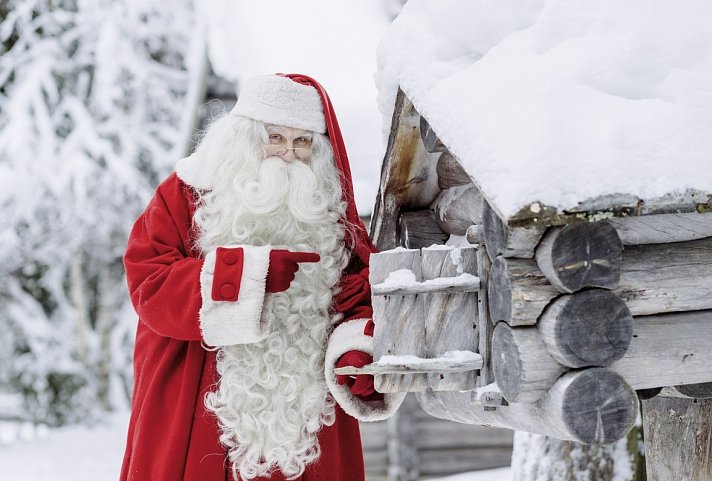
column 510, row 89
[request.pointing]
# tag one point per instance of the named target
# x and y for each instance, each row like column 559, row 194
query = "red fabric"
column 283, row 266
column 228, row 273
column 361, row 385
column 171, row 436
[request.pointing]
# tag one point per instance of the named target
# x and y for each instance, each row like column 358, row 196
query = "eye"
column 302, row 142
column 276, row 139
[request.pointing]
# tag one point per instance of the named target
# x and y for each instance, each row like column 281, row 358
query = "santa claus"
column 249, row 273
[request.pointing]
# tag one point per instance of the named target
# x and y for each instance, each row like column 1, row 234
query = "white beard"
column 272, row 398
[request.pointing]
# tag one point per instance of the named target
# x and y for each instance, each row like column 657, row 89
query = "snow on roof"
column 334, row 42
column 560, row 101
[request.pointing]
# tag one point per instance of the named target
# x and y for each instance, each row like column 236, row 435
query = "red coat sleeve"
column 163, row 279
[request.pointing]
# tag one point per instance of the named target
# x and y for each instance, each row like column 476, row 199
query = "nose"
column 289, row 155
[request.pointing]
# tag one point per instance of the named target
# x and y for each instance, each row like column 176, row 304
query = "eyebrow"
column 279, row 129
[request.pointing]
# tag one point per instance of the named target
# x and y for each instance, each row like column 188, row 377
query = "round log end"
column 499, row 291
column 585, row 254
column 506, row 362
column 589, row 328
column 599, row 407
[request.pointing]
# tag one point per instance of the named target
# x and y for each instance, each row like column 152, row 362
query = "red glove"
column 283, row 265
column 360, row 385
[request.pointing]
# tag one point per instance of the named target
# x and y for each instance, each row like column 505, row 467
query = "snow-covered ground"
column 81, row 453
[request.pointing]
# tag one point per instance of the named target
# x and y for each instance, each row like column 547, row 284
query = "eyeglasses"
column 278, row 145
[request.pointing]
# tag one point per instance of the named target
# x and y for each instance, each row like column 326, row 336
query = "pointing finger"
column 304, row 256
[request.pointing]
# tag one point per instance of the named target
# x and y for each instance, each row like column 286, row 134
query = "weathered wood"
column 654, row 279
column 501, row 239
column 461, row 283
column 420, row 229
column 485, row 325
column 668, row 350
column 523, row 368
column 665, row 350
column 590, row 328
column 678, row 444
column 440, row 365
column 475, row 234
column 450, row 172
column 518, row 291
column 408, row 177
column 457, row 208
column 701, row 390
column 430, row 139
column 663, row 228
column 585, row 254
column 399, row 322
column 450, row 319
column 590, row 406
column 667, row 277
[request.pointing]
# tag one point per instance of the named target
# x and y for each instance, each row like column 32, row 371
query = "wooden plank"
column 440, row 365
column 485, row 326
column 408, row 175
column 439, row 463
column 450, row 323
column 678, row 444
column 399, row 322
column 663, row 228
column 462, row 283
column 585, row 254
column 430, row 139
column 442, row 434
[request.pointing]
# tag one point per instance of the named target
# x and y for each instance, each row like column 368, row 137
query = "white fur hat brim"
column 278, row 100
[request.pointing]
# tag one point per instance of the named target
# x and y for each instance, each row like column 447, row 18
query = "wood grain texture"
column 656, row 278
column 522, row 366
column 430, row 139
column 590, row 328
column 678, row 439
column 518, row 291
column 420, row 229
column 457, row 208
column 501, row 239
column 399, row 322
column 589, row 406
column 663, row 228
column 485, row 325
column 450, row 172
column 585, row 254
column 450, row 319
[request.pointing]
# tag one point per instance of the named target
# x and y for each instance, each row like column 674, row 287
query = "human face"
column 288, row 143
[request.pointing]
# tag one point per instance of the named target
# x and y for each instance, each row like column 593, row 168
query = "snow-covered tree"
column 96, row 104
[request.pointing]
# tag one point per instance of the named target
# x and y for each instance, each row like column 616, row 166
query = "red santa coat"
column 171, row 436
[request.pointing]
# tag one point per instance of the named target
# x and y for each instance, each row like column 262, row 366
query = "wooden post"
column 450, row 319
column 584, row 254
column 399, row 321
column 678, row 439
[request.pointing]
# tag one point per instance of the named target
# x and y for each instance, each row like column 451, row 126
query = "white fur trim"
column 196, row 172
column 224, row 323
column 281, row 101
column 346, row 337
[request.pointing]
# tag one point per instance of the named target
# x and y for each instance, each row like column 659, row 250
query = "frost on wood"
column 92, row 97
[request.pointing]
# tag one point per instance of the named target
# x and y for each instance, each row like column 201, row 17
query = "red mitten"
column 360, row 385
column 283, row 265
